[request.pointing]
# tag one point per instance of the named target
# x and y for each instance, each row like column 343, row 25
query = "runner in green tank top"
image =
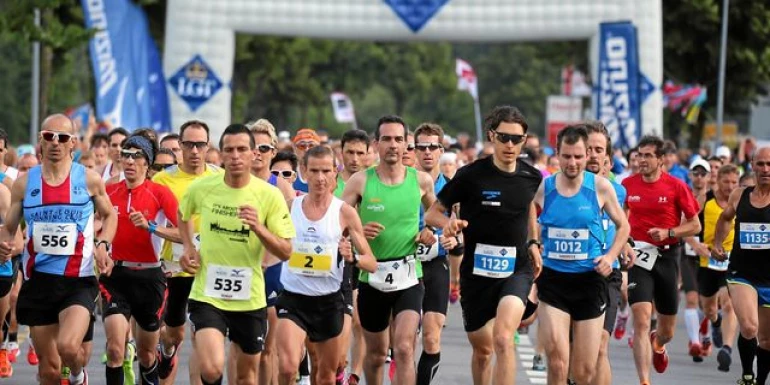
column 388, row 198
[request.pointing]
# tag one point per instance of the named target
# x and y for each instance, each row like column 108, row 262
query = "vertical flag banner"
column 618, row 95
column 343, row 108
column 466, row 78
column 130, row 87
column 80, row 116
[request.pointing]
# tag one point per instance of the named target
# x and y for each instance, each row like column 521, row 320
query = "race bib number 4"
column 755, row 236
column 428, row 253
column 395, row 275
column 646, row 255
column 177, row 249
column 55, row 238
column 311, row 260
column 230, row 283
column 494, row 261
column 567, row 244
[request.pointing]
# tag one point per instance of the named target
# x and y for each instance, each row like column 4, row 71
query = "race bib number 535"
column 226, row 282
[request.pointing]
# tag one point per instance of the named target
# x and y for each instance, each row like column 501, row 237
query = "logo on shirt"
column 503, row 252
column 78, row 190
column 378, row 208
column 584, row 207
column 318, row 249
column 575, row 234
column 662, row 200
column 311, row 229
column 237, row 272
column 491, row 194
column 35, row 192
column 634, row 198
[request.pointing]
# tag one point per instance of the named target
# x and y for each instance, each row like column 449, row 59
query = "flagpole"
column 477, row 112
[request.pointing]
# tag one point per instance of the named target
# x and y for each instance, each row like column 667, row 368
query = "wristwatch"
column 671, row 233
column 533, row 242
column 98, row 242
column 355, row 260
column 151, row 227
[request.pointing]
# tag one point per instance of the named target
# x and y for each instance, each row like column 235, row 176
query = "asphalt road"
column 455, row 367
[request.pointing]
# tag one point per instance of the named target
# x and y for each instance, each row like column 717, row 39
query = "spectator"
column 671, row 163
column 87, row 160
column 448, row 164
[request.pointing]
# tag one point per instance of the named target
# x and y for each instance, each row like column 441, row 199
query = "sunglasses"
column 190, row 144
column 410, row 147
column 265, row 148
column 125, row 154
column 161, row 166
column 283, row 174
column 61, row 137
column 699, row 173
column 509, row 138
column 305, row 145
column 428, row 146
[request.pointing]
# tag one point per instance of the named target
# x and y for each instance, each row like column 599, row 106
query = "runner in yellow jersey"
column 195, row 138
column 241, row 217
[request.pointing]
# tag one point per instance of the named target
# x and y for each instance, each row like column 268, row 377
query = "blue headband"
column 143, row 144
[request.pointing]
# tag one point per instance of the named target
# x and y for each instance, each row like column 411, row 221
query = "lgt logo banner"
column 195, row 82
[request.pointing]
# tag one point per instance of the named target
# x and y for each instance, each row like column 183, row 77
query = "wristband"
column 151, row 227
column 533, row 242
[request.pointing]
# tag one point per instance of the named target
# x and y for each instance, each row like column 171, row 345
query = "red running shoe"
column 659, row 359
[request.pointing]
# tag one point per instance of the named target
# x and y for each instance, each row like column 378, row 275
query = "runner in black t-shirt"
column 495, row 196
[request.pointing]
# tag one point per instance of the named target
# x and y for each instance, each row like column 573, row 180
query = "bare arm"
column 14, row 211
column 5, row 202
column 103, row 206
column 352, row 223
column 726, row 219
column 613, row 209
column 354, row 189
column 286, row 190
column 427, row 189
column 275, row 245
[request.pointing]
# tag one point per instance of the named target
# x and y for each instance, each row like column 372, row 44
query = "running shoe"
column 103, row 358
column 6, row 370
column 129, row 377
column 747, row 379
column 65, row 376
column 32, row 355
column 537, row 363
column 389, row 357
column 620, row 326
column 516, row 338
column 716, row 333
column 659, row 358
column 304, row 380
column 166, row 364
column 81, row 381
column 454, row 293
column 13, row 351
column 352, row 379
column 340, row 379
column 695, row 351
column 631, row 339
column 706, row 347
column 724, row 358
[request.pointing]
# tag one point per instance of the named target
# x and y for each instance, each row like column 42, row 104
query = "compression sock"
column 693, row 325
column 747, row 349
column 763, row 365
column 304, row 366
column 427, row 367
column 217, row 382
column 114, row 376
column 149, row 376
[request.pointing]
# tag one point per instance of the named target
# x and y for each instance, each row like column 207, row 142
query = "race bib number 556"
column 55, row 238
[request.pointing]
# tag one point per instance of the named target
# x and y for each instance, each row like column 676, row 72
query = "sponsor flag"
column 618, row 93
column 343, row 108
column 466, row 78
column 130, row 87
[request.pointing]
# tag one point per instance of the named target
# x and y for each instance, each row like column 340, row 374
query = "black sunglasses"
column 61, row 137
column 125, row 154
column 286, row 174
column 190, row 144
column 161, row 166
column 265, row 148
column 506, row 138
column 699, row 173
column 428, row 146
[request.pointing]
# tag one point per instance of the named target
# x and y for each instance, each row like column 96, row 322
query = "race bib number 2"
column 494, row 261
column 55, row 238
column 311, row 260
column 230, row 283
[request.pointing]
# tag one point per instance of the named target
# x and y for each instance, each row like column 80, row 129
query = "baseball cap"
column 700, row 163
column 723, row 152
column 25, row 149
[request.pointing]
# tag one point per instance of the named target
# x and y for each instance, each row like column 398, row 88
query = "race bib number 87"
column 55, row 238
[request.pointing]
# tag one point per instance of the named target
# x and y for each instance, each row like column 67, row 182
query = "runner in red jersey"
column 137, row 285
column 661, row 210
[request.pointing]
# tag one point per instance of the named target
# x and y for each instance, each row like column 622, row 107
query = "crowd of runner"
column 323, row 261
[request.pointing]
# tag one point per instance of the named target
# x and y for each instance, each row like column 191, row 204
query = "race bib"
column 494, row 261
column 688, row 250
column 177, row 249
column 719, row 265
column 230, row 283
column 395, row 275
column 567, row 244
column 55, row 238
column 754, row 236
column 311, row 260
column 646, row 255
column 428, row 253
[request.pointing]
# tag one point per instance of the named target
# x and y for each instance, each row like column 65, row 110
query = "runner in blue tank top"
column 57, row 200
column 573, row 286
